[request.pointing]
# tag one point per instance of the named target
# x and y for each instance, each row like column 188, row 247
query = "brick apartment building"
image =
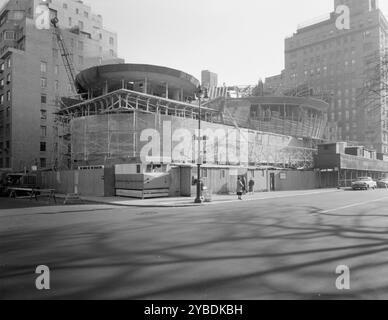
column 337, row 62
column 33, row 77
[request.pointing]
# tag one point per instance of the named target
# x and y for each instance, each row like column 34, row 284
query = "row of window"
column 12, row 15
column 7, row 112
column 7, row 130
column 5, row 64
column 77, row 11
column 2, row 81
column 2, row 97
column 43, row 85
column 329, row 34
column 5, row 163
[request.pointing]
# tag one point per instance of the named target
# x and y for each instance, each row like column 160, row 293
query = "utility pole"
column 199, row 94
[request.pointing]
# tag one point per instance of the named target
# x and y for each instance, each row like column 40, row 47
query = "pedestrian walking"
column 244, row 182
column 240, row 188
column 251, row 185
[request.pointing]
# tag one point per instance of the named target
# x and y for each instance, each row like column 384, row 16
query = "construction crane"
column 66, row 57
column 62, row 136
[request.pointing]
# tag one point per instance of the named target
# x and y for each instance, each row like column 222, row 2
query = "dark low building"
column 341, row 165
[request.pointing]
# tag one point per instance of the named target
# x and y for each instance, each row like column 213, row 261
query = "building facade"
column 33, row 77
column 141, row 113
column 274, row 85
column 209, row 79
column 338, row 62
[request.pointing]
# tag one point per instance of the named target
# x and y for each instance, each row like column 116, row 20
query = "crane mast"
column 62, row 136
column 66, row 56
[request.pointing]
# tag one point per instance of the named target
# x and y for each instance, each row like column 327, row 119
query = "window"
column 43, row 131
column 8, row 95
column 81, row 25
column 1, row 99
column 9, row 35
column 80, row 45
column 3, row 19
column 43, row 82
column 77, row 11
column 43, row 162
column 65, row 6
column 112, row 53
column 9, row 63
column 55, row 53
column 43, row 66
column 81, row 60
column 86, row 14
column 43, row 114
column 56, row 69
column 112, row 42
column 367, row 34
column 70, row 22
column 2, row 67
column 43, row 98
column 8, row 78
column 43, row 147
column 56, row 85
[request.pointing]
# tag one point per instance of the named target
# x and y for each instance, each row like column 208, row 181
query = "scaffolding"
column 108, row 128
column 105, row 130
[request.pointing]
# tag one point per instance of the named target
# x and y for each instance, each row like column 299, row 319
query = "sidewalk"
column 189, row 202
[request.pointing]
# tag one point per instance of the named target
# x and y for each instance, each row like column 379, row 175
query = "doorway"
column 272, row 181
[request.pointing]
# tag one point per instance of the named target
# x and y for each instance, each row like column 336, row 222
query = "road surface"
column 285, row 248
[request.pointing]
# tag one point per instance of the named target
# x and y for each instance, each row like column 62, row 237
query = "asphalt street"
column 283, row 248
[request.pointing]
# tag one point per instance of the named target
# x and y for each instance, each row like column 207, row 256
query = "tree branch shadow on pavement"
column 276, row 257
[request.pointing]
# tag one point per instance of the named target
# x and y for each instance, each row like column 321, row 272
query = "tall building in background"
column 274, row 85
column 209, row 79
column 339, row 62
column 33, row 77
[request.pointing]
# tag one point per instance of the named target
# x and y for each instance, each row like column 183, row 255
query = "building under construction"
column 145, row 113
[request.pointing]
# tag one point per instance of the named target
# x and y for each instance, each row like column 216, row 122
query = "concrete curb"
column 188, row 205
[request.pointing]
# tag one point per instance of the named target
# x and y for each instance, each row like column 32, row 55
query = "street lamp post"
column 198, row 198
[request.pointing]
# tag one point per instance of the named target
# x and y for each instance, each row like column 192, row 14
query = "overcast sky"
column 240, row 40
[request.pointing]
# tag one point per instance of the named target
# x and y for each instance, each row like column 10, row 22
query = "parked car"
column 382, row 183
column 16, row 180
column 364, row 183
